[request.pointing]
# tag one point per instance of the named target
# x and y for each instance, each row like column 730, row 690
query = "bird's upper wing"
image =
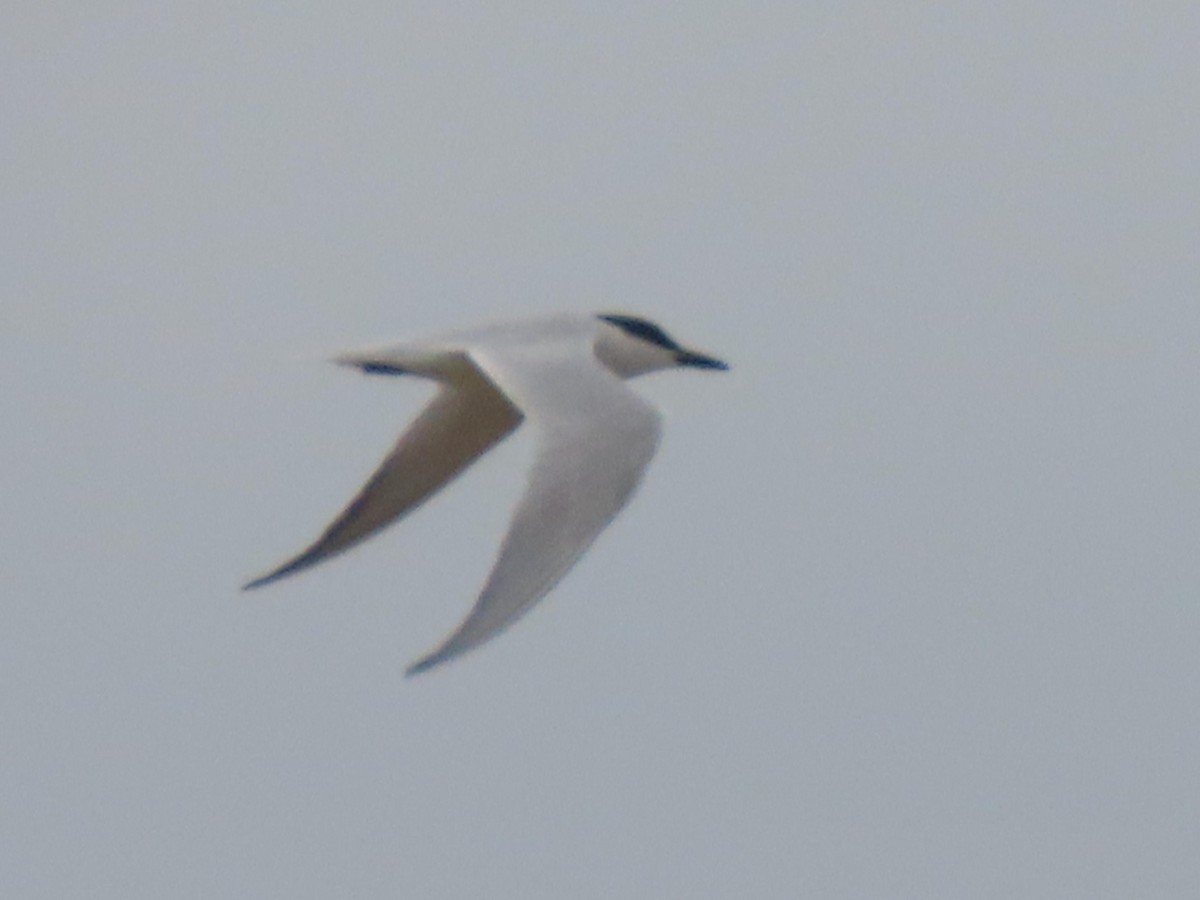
column 595, row 438
column 464, row 419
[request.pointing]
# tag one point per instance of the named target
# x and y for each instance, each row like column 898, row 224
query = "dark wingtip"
column 369, row 366
column 258, row 582
column 421, row 665
column 283, row 571
column 374, row 368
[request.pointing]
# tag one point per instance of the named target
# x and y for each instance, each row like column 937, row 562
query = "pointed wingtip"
column 421, row 665
column 439, row 656
column 297, row 564
column 274, row 575
column 369, row 365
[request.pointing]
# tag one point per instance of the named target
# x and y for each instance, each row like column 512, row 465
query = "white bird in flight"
column 595, row 438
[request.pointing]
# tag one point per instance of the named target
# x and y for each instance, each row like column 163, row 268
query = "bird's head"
column 633, row 346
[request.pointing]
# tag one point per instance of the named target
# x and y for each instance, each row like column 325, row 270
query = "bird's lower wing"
column 595, row 439
column 462, row 421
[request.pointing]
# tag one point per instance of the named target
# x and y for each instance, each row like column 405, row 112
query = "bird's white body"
column 564, row 375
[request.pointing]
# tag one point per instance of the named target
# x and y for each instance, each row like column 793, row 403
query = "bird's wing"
column 464, row 419
column 595, row 438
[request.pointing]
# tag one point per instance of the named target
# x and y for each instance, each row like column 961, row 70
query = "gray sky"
column 907, row 607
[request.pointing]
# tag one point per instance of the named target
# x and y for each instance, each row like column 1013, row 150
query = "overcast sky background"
column 907, row 606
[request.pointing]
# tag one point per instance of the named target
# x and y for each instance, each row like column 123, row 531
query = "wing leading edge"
column 595, row 439
column 466, row 418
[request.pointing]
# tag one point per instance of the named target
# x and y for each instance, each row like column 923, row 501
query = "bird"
column 595, row 437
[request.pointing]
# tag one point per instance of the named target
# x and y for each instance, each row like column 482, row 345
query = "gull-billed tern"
column 594, row 439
